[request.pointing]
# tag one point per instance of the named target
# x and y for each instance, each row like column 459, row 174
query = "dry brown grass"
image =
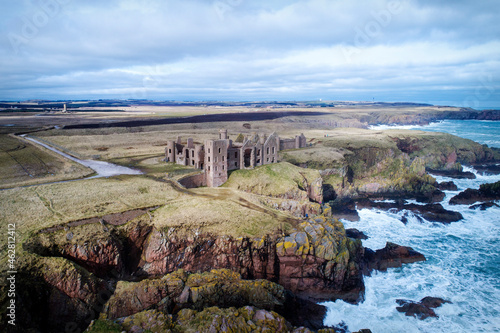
column 222, row 211
column 38, row 207
column 23, row 163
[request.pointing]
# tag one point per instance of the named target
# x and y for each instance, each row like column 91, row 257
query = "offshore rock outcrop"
column 392, row 255
column 486, row 192
column 430, row 212
column 422, row 309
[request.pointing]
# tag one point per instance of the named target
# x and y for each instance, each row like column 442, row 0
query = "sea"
column 463, row 258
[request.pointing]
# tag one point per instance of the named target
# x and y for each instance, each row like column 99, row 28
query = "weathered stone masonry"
column 217, row 157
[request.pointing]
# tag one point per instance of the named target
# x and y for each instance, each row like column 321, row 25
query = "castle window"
column 273, row 149
column 169, row 150
column 215, row 159
column 209, row 158
column 209, row 150
column 192, row 162
column 235, row 154
column 219, row 150
column 216, row 168
column 258, row 152
column 235, row 164
column 222, row 158
column 268, row 150
column 268, row 159
column 209, row 168
column 222, row 167
column 192, row 153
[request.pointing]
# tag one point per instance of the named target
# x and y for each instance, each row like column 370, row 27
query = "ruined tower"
column 216, row 162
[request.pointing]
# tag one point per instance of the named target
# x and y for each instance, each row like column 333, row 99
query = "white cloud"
column 202, row 49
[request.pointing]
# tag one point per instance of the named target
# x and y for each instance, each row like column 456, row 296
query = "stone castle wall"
column 217, row 157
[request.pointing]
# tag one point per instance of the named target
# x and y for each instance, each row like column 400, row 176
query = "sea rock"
column 458, row 174
column 486, row 192
column 484, row 205
column 355, row 233
column 488, row 168
column 430, row 212
column 344, row 208
column 448, row 186
column 422, row 309
column 392, row 255
column 317, row 261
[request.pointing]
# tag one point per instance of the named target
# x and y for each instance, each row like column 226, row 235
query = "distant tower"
column 64, row 108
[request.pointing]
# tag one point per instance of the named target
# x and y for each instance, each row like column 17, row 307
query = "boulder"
column 355, row 233
column 484, row 205
column 448, row 186
column 422, row 309
column 392, row 255
column 430, row 212
column 454, row 173
column 486, row 192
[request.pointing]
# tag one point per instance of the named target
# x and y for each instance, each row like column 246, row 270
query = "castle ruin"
column 217, row 157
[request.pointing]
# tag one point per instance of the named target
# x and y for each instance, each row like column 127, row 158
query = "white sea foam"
column 462, row 266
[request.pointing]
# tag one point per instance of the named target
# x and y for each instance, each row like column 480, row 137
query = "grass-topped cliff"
column 357, row 162
column 283, row 186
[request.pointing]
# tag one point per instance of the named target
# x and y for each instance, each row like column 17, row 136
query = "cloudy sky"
column 431, row 51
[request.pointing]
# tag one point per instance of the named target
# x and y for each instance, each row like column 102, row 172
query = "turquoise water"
column 482, row 131
column 463, row 260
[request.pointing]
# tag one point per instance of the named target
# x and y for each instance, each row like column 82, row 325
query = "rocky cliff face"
column 317, row 260
column 115, row 272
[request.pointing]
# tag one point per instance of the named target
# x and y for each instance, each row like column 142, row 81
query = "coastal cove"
column 462, row 257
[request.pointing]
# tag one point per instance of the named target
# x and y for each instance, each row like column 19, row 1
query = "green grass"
column 272, row 179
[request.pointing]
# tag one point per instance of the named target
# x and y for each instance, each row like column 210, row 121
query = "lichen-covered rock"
column 327, row 267
column 133, row 297
column 317, row 260
column 213, row 319
column 174, row 291
column 92, row 246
